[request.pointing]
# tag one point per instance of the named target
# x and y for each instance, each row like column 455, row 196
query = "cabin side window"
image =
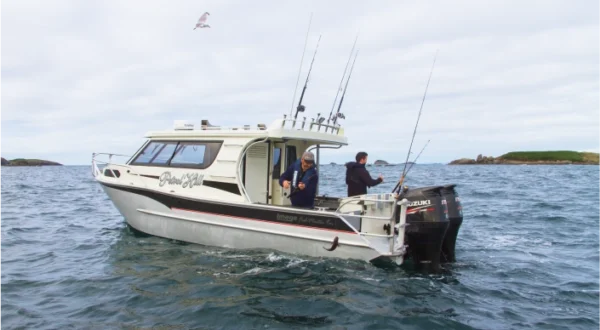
column 179, row 154
column 276, row 163
column 195, row 154
column 155, row 153
column 164, row 154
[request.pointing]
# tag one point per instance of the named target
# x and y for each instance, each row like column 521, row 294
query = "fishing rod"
column 337, row 114
column 300, row 107
column 341, row 81
column 414, row 161
column 296, row 190
column 401, row 181
column 301, row 61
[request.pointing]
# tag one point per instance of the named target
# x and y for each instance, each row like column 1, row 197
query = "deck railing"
column 312, row 126
column 95, row 162
column 380, row 207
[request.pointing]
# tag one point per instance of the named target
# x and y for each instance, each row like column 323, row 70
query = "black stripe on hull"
column 233, row 210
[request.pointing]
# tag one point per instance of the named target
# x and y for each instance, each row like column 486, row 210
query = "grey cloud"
column 83, row 77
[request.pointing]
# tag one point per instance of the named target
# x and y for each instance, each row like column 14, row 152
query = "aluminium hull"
column 244, row 226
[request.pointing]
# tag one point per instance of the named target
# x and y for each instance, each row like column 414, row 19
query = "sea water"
column 527, row 258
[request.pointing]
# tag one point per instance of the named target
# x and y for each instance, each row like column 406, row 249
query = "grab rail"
column 335, row 128
column 396, row 243
column 96, row 171
column 361, row 198
column 239, row 167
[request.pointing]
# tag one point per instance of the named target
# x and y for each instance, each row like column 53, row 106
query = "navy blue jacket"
column 358, row 179
column 305, row 197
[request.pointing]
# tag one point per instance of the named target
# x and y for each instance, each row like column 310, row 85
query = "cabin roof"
column 278, row 130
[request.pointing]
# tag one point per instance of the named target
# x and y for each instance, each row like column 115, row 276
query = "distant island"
column 28, row 162
column 384, row 163
column 560, row 157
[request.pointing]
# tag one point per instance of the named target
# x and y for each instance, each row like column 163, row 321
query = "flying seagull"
column 202, row 20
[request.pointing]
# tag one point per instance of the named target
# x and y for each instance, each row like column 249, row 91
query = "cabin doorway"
column 282, row 156
column 277, row 168
column 256, row 172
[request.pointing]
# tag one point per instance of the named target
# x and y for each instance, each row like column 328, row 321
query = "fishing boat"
column 219, row 186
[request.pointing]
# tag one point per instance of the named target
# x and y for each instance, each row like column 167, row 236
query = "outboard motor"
column 455, row 217
column 427, row 222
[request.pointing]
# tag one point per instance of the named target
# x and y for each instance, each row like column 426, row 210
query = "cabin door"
column 277, row 168
column 283, row 156
column 257, row 173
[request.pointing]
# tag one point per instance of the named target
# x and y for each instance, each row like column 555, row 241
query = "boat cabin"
column 237, row 164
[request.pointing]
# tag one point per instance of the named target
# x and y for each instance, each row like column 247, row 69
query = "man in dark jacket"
column 357, row 176
column 303, row 179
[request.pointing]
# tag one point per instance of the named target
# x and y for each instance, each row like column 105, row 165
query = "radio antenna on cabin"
column 301, row 61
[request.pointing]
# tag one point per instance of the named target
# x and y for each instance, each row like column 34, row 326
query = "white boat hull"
column 152, row 217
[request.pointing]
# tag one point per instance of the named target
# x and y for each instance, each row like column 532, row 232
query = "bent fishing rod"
column 300, row 107
column 401, row 181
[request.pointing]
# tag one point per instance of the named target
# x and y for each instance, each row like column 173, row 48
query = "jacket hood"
column 350, row 165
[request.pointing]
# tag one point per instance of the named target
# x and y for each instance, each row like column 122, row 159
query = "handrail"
column 396, row 244
column 311, row 125
column 360, row 198
column 238, row 170
column 109, row 154
column 96, row 171
column 400, row 225
column 110, row 165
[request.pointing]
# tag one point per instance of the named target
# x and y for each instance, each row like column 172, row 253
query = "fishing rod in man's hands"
column 296, row 190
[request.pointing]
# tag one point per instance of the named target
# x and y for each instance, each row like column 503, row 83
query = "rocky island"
column 380, row 162
column 28, row 162
column 561, row 157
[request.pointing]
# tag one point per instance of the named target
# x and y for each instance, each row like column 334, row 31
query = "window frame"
column 160, row 152
column 277, row 174
column 288, row 155
column 208, row 148
column 134, row 161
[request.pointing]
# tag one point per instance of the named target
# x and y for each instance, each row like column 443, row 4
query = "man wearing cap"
column 303, row 179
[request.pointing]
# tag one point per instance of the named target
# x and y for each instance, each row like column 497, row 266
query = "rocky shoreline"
column 489, row 160
column 28, row 162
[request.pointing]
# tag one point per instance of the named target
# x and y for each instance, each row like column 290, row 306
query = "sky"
column 94, row 76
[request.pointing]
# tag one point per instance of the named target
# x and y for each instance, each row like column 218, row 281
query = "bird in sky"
column 202, row 21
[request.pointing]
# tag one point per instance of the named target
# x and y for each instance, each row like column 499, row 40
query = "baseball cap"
column 308, row 157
